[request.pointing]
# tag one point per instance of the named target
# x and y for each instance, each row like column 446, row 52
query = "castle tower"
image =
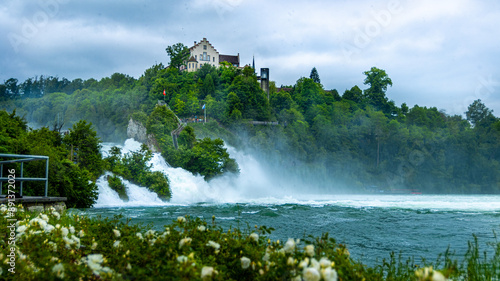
column 264, row 80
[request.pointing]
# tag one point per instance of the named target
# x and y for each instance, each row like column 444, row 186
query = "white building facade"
column 204, row 53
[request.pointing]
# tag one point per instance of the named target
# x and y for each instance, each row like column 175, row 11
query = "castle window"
column 208, row 58
column 213, row 59
column 195, row 57
column 204, row 55
column 204, row 47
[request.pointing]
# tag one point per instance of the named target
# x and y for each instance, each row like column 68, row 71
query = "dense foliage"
column 66, row 178
column 206, row 157
column 360, row 139
column 134, row 167
column 117, row 185
column 54, row 246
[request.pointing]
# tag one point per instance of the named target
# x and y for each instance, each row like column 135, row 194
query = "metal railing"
column 21, row 159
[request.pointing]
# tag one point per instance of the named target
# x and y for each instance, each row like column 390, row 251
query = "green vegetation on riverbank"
column 54, row 246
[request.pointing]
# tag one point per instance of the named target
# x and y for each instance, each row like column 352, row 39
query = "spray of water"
column 256, row 185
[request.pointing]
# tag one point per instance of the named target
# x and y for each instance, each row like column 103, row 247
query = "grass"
column 54, row 246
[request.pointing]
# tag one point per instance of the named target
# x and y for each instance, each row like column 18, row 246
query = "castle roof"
column 202, row 41
column 230, row 59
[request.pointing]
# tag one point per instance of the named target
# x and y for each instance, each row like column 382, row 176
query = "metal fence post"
column 21, row 190
column 46, row 176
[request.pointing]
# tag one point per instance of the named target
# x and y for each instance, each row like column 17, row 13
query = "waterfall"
column 249, row 185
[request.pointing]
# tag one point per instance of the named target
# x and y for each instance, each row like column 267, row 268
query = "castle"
column 203, row 52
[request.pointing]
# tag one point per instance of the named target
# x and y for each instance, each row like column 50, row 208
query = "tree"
column 85, row 143
column 178, row 54
column 478, row 112
column 354, row 94
column 208, row 87
column 378, row 81
column 314, row 75
column 12, row 87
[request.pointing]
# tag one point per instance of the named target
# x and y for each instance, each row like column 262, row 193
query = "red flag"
column 164, row 93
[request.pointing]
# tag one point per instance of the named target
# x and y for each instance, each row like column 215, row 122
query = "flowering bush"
column 53, row 246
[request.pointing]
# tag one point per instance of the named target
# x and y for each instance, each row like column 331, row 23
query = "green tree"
column 314, row 75
column 378, row 81
column 83, row 141
column 208, row 87
column 478, row 113
column 178, row 54
column 355, row 94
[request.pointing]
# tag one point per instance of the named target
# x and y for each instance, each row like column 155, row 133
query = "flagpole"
column 205, row 111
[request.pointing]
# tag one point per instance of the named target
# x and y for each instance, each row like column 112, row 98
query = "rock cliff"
column 138, row 132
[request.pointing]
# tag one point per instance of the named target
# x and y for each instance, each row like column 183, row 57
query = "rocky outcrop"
column 138, row 132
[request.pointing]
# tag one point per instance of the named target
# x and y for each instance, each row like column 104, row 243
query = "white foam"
column 255, row 185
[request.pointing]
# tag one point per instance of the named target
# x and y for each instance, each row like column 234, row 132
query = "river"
column 372, row 226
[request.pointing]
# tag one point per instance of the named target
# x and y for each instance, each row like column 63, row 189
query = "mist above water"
column 258, row 185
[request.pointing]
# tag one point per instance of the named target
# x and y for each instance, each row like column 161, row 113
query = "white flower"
column 182, row 259
column 290, row 261
column 329, row 274
column 254, row 236
column 311, row 274
column 185, row 241
column 304, row 263
column 116, row 244
column 427, row 273
column 245, row 262
column 64, row 231
column 56, row 214
column 289, row 246
column 266, row 257
column 129, row 267
column 49, row 228
column 94, row 246
column 72, row 229
column 21, row 229
column 54, row 246
column 76, row 241
column 201, row 228
column 117, row 233
column 181, row 219
column 45, row 217
column 68, row 242
column 58, row 269
column 150, row 234
column 81, row 233
column 213, row 244
column 94, row 261
column 139, row 235
column 207, row 272
column 315, row 264
column 309, row 249
column 324, row 262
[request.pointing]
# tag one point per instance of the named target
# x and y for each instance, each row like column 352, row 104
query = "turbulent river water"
column 372, row 226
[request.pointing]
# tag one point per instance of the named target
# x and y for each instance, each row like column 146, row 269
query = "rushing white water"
column 255, row 185
column 250, row 185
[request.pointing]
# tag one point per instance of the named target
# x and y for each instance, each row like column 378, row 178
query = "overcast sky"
column 437, row 53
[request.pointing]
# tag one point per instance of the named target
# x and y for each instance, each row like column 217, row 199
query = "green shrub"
column 117, row 185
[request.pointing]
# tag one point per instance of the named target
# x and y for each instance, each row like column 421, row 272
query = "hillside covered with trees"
column 355, row 141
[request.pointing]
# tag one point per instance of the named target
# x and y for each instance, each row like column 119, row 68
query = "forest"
column 357, row 141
